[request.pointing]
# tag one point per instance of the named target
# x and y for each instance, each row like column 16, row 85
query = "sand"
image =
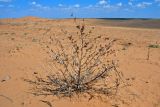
column 23, row 55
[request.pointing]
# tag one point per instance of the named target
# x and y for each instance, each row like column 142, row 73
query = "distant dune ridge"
column 129, row 22
column 113, row 22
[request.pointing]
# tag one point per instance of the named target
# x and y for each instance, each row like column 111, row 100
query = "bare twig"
column 47, row 102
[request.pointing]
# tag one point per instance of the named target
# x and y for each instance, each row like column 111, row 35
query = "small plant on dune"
column 151, row 46
column 86, row 69
column 154, row 46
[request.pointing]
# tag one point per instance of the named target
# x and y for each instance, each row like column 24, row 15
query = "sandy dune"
column 22, row 55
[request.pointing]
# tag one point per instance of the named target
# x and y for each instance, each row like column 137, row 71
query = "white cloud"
column 7, row 6
column 35, row 4
column 60, row 5
column 128, row 10
column 158, row 2
column 63, row 6
column 143, row 4
column 5, row 0
column 130, row 3
column 76, row 6
column 90, row 6
column 102, row 2
column 119, row 4
column 11, row 6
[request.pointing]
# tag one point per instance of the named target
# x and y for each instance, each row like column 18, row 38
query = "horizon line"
column 80, row 17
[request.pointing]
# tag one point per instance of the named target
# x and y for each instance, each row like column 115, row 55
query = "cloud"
column 76, row 5
column 11, row 6
column 158, row 2
column 60, row 5
column 119, row 4
column 130, row 3
column 63, row 6
column 89, row 6
column 35, row 4
column 5, row 0
column 7, row 6
column 105, row 5
column 102, row 2
column 143, row 4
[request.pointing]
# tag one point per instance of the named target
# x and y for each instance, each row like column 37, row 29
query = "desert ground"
column 23, row 55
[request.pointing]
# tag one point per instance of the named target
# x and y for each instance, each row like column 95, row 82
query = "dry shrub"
column 82, row 67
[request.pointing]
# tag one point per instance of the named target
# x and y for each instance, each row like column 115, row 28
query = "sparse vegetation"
column 25, row 34
column 82, row 67
column 126, row 45
column 148, row 53
column 34, row 40
column 154, row 46
column 151, row 46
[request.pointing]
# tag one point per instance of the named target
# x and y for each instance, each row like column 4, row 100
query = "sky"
column 80, row 8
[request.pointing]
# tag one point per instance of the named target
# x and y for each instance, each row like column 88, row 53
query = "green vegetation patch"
column 154, row 46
